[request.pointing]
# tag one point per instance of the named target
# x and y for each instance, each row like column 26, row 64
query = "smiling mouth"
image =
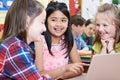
column 58, row 29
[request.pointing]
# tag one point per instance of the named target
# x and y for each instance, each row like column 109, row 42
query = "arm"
column 74, row 56
column 20, row 63
column 84, row 52
column 39, row 56
column 108, row 46
column 76, row 61
column 55, row 73
column 66, row 71
column 39, row 62
column 2, row 59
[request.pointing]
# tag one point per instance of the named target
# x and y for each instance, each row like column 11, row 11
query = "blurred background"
column 85, row 8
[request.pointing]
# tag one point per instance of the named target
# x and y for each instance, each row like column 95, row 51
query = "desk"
column 87, row 60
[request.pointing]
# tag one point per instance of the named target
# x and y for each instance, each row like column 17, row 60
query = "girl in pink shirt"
column 59, row 57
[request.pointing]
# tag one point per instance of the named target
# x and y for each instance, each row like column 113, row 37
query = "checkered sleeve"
column 19, row 64
column 2, row 58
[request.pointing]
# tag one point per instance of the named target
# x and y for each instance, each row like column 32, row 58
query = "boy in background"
column 77, row 26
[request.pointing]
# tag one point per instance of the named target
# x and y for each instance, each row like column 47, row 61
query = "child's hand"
column 108, row 44
column 39, row 42
column 111, row 44
column 104, row 43
column 76, row 67
column 47, row 77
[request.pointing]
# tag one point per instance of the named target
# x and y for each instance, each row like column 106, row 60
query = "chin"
column 104, row 38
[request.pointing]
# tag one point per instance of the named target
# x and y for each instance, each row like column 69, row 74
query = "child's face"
column 57, row 23
column 77, row 29
column 90, row 30
column 37, row 26
column 105, row 26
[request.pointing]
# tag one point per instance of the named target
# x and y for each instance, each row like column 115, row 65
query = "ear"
column 73, row 26
column 27, row 21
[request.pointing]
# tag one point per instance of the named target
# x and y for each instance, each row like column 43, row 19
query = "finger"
column 74, row 70
column 84, row 64
column 79, row 66
column 79, row 69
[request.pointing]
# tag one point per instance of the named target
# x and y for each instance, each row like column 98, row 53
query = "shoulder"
column 82, row 41
column 117, row 47
column 83, row 35
column 97, row 47
column 13, row 43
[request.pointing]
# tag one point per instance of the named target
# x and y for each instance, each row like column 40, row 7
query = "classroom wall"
column 89, row 7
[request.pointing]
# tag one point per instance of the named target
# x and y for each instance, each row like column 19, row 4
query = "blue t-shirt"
column 80, row 43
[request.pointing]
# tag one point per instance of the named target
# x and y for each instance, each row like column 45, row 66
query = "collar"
column 98, row 46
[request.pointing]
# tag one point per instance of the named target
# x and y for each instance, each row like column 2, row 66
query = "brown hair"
column 114, row 13
column 90, row 21
column 77, row 20
column 15, row 21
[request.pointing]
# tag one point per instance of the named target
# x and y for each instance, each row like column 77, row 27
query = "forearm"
column 68, row 75
column 107, row 50
column 84, row 53
column 39, row 55
column 55, row 72
column 75, row 57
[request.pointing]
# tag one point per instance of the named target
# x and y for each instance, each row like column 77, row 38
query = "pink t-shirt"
column 51, row 62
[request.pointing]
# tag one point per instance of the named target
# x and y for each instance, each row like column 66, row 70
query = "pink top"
column 52, row 62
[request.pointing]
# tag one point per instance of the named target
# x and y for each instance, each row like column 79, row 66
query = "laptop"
column 104, row 67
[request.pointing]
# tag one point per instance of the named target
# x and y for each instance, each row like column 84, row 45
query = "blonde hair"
column 113, row 12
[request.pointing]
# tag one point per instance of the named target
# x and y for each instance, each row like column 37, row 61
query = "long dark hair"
column 52, row 7
column 15, row 21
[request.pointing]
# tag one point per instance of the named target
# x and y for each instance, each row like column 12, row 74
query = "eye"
column 64, row 20
column 105, row 25
column 53, row 20
column 98, row 25
column 94, row 30
column 90, row 28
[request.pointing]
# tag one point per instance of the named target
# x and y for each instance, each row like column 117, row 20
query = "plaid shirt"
column 16, row 62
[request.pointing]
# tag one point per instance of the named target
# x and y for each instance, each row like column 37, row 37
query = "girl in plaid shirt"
column 24, row 23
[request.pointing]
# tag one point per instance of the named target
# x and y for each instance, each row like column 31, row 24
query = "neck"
column 56, row 40
column 76, row 33
column 28, row 40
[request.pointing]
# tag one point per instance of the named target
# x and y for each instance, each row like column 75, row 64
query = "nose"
column 92, row 31
column 58, row 23
column 101, row 28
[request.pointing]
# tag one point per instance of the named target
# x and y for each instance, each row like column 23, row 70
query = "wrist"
column 103, row 50
column 64, row 68
column 110, row 51
column 60, row 78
